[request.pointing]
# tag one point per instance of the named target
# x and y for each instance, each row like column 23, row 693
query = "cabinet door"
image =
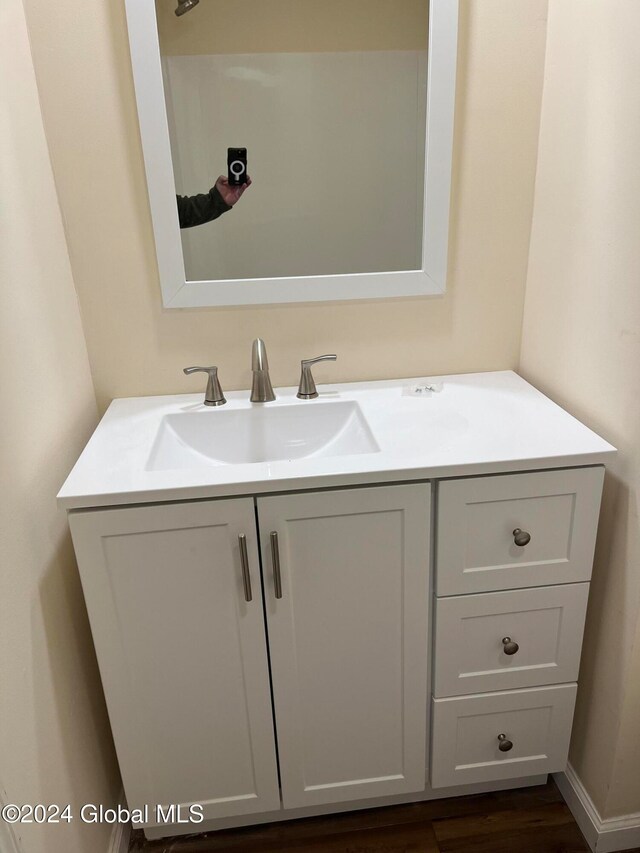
column 182, row 654
column 349, row 640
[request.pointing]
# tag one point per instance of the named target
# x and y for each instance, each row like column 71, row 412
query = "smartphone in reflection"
column 237, row 166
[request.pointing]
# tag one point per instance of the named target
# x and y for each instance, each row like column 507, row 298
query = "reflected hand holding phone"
column 231, row 192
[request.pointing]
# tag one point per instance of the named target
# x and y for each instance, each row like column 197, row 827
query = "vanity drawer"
column 533, row 726
column 556, row 513
column 507, row 640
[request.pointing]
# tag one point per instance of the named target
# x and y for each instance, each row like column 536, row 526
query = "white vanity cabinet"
column 362, row 625
column 184, row 655
column 269, row 654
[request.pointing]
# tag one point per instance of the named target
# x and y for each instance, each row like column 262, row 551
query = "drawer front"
column 477, row 517
column 534, row 724
column 507, row 640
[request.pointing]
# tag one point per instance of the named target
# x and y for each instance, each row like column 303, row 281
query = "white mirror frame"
column 177, row 292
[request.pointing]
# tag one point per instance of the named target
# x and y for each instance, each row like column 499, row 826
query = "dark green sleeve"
column 198, row 209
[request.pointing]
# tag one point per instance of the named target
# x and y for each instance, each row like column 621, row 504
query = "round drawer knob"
column 504, row 744
column 509, row 646
column 521, row 537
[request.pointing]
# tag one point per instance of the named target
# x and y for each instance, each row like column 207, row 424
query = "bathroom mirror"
column 346, row 114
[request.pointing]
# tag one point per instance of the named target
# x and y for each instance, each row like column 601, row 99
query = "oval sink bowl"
column 260, row 434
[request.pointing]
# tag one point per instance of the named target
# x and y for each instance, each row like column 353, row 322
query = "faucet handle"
column 213, row 395
column 307, row 388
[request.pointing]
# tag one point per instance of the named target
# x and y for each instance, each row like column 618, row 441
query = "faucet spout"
column 261, row 388
column 259, row 359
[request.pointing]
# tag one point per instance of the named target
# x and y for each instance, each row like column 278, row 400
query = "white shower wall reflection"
column 335, row 139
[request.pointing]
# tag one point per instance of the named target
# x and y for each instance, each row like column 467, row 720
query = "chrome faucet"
column 261, row 388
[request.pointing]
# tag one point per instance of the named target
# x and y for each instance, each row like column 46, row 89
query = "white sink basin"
column 260, row 434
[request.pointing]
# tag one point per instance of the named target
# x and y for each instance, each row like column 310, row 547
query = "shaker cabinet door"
column 346, row 577
column 182, row 653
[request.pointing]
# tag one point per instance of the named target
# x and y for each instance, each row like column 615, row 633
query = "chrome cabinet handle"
column 521, row 537
column 244, row 561
column 504, row 744
column 275, row 559
column 509, row 646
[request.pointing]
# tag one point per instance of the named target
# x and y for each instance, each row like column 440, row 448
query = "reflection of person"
column 198, row 209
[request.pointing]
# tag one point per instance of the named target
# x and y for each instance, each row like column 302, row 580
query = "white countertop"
column 480, row 423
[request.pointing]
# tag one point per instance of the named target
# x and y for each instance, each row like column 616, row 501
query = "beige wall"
column 581, row 345
column 136, row 347
column 55, row 744
column 256, row 26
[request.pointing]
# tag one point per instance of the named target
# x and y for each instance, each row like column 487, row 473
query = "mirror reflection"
column 297, row 132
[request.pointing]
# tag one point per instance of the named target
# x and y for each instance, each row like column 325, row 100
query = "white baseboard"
column 603, row 835
column 121, row 834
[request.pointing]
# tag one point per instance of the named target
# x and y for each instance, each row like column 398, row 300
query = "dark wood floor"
column 528, row 820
